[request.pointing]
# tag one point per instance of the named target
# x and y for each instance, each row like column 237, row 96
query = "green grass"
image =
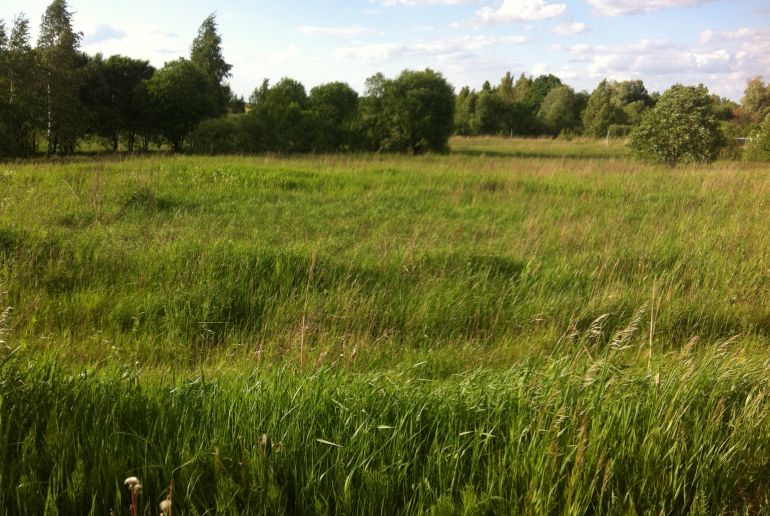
column 522, row 326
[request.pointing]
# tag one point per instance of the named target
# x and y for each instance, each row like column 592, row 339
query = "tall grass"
column 190, row 254
column 572, row 435
column 504, row 330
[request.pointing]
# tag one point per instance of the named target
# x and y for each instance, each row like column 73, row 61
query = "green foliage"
column 115, row 101
column 560, row 110
column 62, row 71
column 756, row 101
column 601, row 111
column 419, row 106
column 681, row 128
column 219, row 136
column 538, row 89
column 206, row 54
column 180, row 97
column 489, row 114
column 465, row 112
column 283, row 114
column 206, row 51
column 759, row 148
column 335, row 109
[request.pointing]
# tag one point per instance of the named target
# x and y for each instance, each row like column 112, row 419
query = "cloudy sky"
column 720, row 43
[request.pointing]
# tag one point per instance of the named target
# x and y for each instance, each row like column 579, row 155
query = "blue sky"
column 720, row 43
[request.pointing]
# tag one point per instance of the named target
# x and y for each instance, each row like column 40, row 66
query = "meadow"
column 518, row 327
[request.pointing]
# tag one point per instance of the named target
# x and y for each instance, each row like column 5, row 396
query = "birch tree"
column 61, row 66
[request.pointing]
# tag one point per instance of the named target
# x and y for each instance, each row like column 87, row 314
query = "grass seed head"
column 165, row 506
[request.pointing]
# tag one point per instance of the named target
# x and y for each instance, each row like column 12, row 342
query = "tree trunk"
column 51, row 147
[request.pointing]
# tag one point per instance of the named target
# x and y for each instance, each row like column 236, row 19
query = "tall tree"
column 560, row 110
column 206, row 53
column 180, row 96
column 24, row 87
column 335, row 106
column 112, row 98
column 5, row 131
column 465, row 112
column 420, row 108
column 756, row 100
column 283, row 114
column 61, row 64
column 601, row 111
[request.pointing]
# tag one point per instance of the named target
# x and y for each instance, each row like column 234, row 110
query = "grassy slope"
column 141, row 272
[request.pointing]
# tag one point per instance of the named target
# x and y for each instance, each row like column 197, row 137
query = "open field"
column 521, row 326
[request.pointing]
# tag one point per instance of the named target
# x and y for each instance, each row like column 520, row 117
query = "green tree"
column 756, row 101
column 538, row 90
column 521, row 88
column 628, row 92
column 760, row 147
column 489, row 114
column 113, row 98
column 5, row 130
column 601, row 111
column 505, row 88
column 372, row 119
column 61, row 66
column 560, row 110
column 23, row 88
column 335, row 108
column 281, row 115
column 206, row 53
column 180, row 96
column 681, row 128
column 465, row 112
column 419, row 107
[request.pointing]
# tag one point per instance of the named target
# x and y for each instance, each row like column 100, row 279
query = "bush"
column 216, row 136
column 619, row 130
column 681, row 128
column 759, row 148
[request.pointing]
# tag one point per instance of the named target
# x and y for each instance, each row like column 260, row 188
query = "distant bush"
column 759, row 148
column 217, row 136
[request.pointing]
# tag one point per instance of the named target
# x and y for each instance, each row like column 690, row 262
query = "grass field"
column 518, row 327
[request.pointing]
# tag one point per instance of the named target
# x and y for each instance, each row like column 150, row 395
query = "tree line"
column 53, row 96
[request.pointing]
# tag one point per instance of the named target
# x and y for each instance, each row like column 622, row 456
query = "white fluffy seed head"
column 130, row 481
column 165, row 506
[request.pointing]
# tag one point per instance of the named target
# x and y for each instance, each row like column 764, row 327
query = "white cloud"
column 337, row 32
column 622, row 7
column 139, row 41
column 520, row 10
column 101, row 33
column 724, row 60
column 457, row 48
column 570, row 29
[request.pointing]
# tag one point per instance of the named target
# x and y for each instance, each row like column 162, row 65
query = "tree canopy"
column 681, row 128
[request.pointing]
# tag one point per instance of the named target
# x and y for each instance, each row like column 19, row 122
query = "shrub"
column 759, row 149
column 216, row 136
